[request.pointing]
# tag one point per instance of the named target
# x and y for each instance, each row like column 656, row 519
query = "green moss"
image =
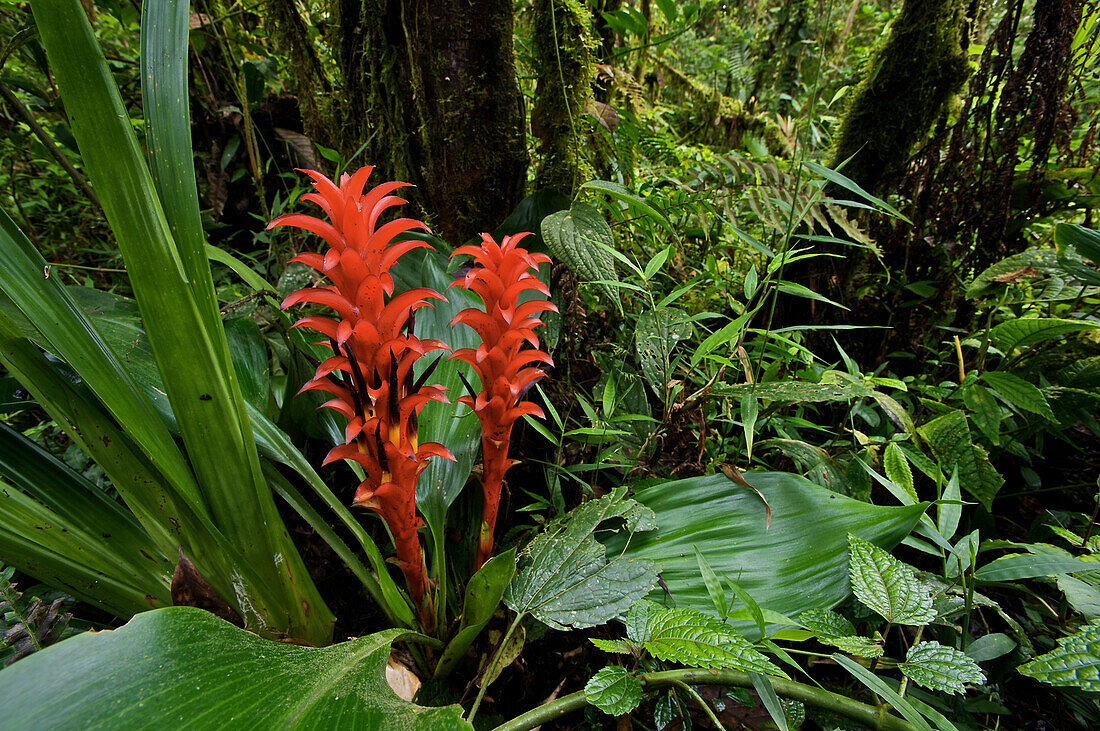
column 909, row 82
column 563, row 47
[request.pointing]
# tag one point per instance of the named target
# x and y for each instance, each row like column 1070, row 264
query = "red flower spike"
column 370, row 372
column 501, row 273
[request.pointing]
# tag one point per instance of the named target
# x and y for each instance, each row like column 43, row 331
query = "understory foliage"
column 770, row 401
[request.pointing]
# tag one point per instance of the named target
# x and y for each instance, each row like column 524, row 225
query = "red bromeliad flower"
column 370, row 371
column 506, row 368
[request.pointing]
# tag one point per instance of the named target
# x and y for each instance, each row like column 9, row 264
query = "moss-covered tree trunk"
column 564, row 45
column 428, row 89
column 910, row 79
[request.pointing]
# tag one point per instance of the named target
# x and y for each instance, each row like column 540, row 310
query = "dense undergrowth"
column 738, row 436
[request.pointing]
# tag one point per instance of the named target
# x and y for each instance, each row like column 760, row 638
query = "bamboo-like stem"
column 874, row 717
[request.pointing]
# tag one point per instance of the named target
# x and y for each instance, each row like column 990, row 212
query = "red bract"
column 370, row 371
column 507, row 369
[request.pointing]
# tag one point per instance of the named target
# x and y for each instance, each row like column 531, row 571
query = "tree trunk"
column 910, row 79
column 428, row 89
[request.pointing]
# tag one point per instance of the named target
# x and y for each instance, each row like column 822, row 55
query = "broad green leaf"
column 655, row 336
column 941, row 668
column 726, row 522
column 614, row 690
column 1019, row 393
column 1075, row 663
column 1029, row 566
column 696, row 639
column 565, row 579
column 480, row 599
column 948, row 437
column 1083, row 596
column 833, row 629
column 886, row 585
column 1012, row 334
column 984, row 410
column 577, row 238
column 990, row 647
column 184, row 668
column 898, row 470
column 452, row 425
column 249, row 356
column 1076, row 243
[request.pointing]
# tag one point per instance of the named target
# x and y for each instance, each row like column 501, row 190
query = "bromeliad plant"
column 500, row 275
column 374, row 349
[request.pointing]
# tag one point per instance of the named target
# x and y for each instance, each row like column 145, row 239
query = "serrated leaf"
column 614, row 691
column 576, row 237
column 826, row 623
column 1019, row 393
column 1075, row 663
column 886, row 585
column 948, row 437
column 184, row 663
column 834, row 629
column 695, row 639
column 655, row 336
column 941, row 668
column 565, row 578
column 618, row 647
column 898, row 470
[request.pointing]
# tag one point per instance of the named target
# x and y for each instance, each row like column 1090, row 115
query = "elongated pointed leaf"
column 726, row 522
column 479, row 601
column 886, row 585
column 184, row 667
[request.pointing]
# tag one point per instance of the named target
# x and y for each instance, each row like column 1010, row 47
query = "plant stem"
column 702, row 703
column 871, row 716
column 485, row 679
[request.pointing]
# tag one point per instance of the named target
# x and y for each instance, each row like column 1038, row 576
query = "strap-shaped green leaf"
column 886, row 585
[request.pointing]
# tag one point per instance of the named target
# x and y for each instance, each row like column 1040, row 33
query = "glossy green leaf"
column 1019, row 393
column 726, row 522
column 480, row 600
column 898, row 470
column 1076, row 243
column 614, row 690
column 184, row 668
column 850, row 185
column 948, row 437
column 990, row 647
column 1075, row 663
column 886, row 585
column 771, row 701
column 1029, row 566
column 577, row 238
column 696, row 639
column 617, row 647
column 249, row 356
column 941, row 668
column 565, row 578
column 1083, row 596
column 797, row 391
